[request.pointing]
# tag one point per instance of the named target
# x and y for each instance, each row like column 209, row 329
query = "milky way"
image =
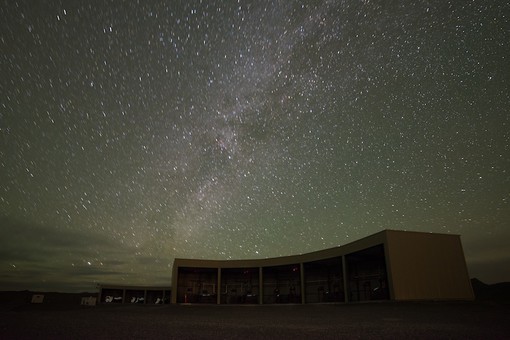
column 132, row 134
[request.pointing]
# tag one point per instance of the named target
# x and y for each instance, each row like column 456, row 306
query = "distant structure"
column 88, row 301
column 133, row 294
column 37, row 298
column 389, row 265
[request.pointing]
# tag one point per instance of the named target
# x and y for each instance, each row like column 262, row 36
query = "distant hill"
column 499, row 292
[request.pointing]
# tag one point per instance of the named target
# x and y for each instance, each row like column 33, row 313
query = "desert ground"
column 388, row 320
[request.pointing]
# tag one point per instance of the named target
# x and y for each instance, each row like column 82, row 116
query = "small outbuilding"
column 389, row 265
column 88, row 301
column 37, row 298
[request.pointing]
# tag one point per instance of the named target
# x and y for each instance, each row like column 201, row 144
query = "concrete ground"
column 389, row 320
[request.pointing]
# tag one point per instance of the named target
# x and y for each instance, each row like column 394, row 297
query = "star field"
column 134, row 133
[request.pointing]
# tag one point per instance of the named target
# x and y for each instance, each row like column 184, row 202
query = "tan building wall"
column 426, row 266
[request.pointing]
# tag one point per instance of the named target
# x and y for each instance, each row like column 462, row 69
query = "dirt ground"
column 389, row 320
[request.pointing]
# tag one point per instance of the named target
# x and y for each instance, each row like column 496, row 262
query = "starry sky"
column 134, row 133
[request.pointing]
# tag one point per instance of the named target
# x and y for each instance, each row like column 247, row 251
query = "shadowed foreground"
column 372, row 320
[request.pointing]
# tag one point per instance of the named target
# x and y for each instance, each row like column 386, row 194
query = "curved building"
column 389, row 265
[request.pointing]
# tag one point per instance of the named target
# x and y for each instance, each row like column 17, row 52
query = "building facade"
column 133, row 294
column 389, row 265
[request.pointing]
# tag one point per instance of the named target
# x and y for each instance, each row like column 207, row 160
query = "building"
column 133, row 294
column 389, row 265
column 88, row 301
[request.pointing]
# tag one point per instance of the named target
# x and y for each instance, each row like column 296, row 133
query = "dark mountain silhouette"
column 492, row 292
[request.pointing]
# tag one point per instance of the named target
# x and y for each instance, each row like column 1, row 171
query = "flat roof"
column 129, row 287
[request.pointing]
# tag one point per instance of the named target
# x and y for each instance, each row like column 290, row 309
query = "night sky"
column 131, row 134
